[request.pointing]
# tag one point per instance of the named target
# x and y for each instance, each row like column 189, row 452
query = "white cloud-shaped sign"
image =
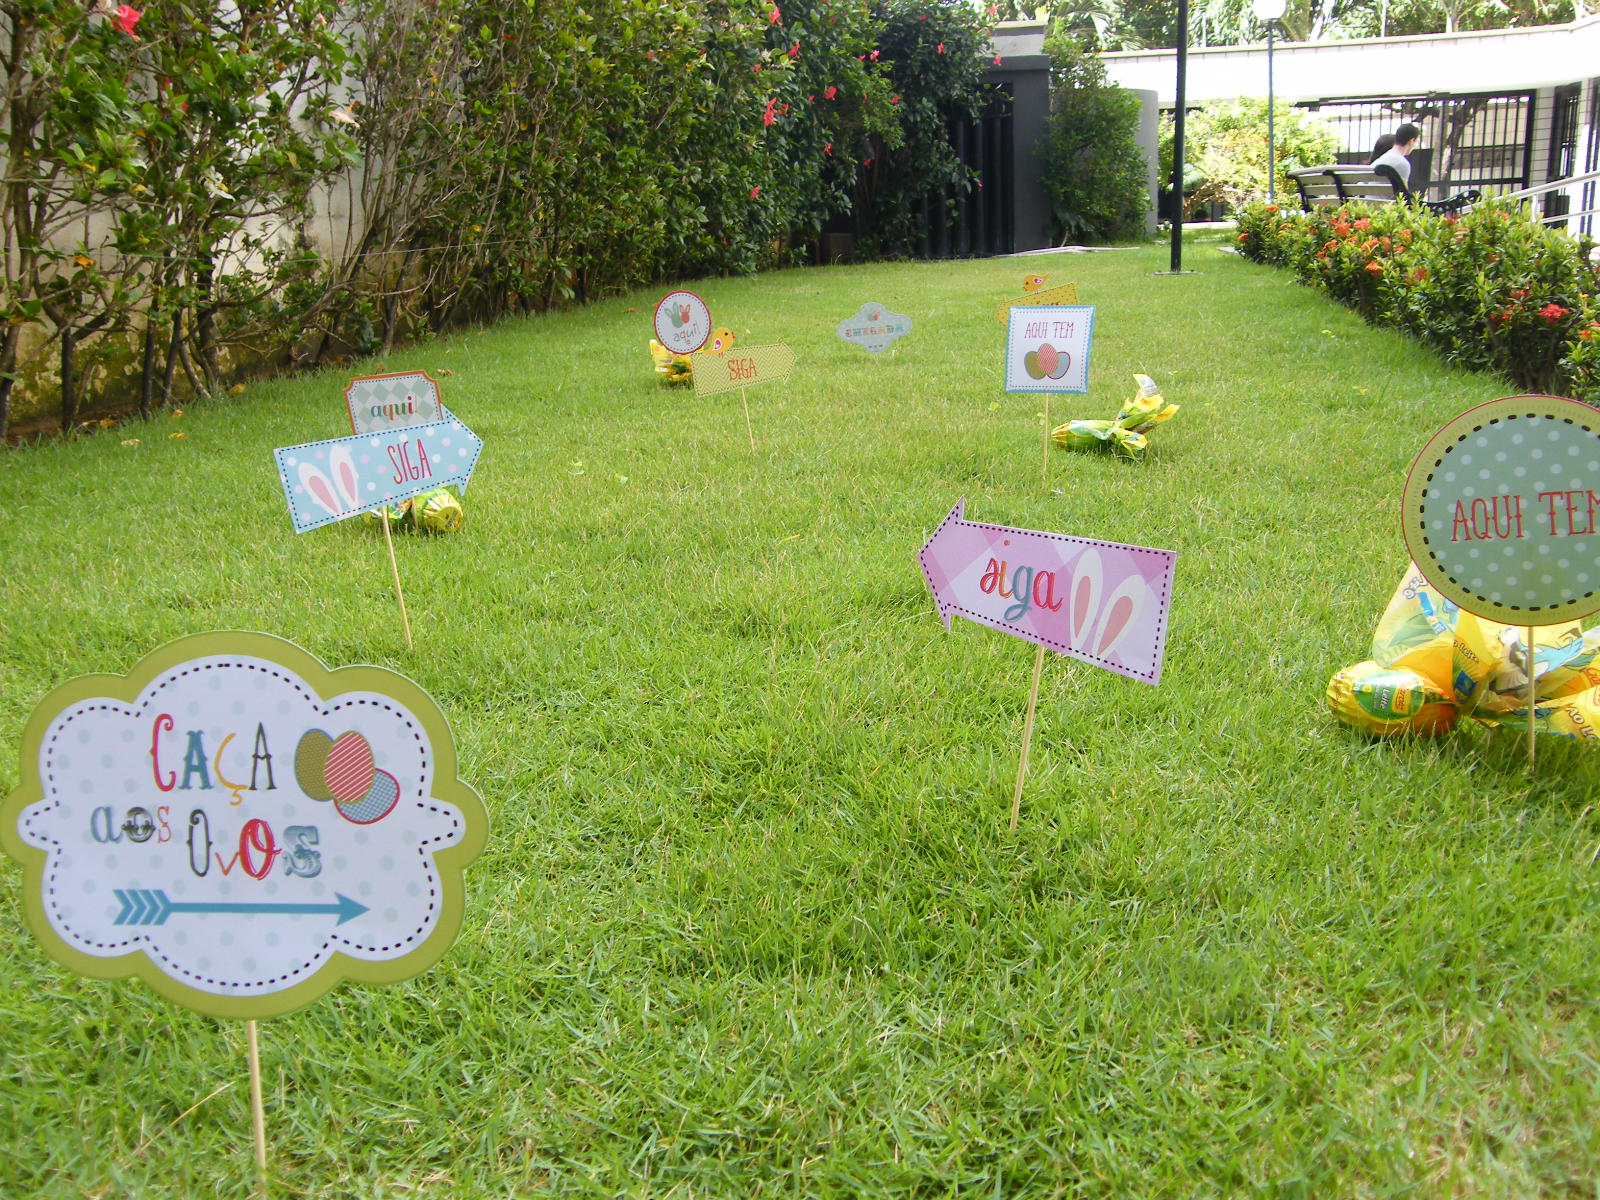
column 241, row 827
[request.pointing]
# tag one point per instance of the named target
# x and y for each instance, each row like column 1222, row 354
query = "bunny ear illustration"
column 320, row 488
column 1088, row 575
column 344, row 474
column 1121, row 611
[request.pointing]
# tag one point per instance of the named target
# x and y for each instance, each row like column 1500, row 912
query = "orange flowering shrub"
column 1491, row 289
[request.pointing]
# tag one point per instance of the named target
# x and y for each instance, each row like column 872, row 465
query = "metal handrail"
column 1557, row 185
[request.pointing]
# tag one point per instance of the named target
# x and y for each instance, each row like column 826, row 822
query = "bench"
column 1341, row 184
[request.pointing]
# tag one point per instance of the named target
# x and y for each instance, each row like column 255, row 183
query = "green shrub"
column 1225, row 150
column 1096, row 176
column 1493, row 289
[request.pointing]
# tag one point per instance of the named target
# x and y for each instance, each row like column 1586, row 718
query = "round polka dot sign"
column 241, row 827
column 1501, row 510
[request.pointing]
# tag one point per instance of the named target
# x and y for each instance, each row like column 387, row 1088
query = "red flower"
column 1375, row 267
column 767, row 118
column 794, row 50
column 755, row 192
column 775, row 17
column 1362, row 223
column 1553, row 312
column 996, row 57
column 1244, row 237
column 1272, row 208
column 873, row 56
column 1419, row 275
column 941, row 47
column 830, row 93
column 126, row 18
column 1519, row 294
column 894, row 99
column 828, row 149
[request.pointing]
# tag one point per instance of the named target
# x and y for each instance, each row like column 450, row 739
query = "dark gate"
column 978, row 221
column 1480, row 140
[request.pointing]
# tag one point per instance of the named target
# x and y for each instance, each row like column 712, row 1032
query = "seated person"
column 1393, row 161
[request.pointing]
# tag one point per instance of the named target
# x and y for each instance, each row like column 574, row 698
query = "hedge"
column 172, row 171
column 1492, row 289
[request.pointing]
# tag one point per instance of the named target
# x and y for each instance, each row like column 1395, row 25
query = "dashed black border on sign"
column 141, row 943
column 449, row 425
column 1168, row 564
column 1415, row 524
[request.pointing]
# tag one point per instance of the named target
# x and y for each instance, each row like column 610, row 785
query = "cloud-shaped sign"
column 241, row 827
column 874, row 327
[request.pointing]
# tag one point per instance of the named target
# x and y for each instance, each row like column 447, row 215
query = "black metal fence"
column 1481, row 141
column 978, row 222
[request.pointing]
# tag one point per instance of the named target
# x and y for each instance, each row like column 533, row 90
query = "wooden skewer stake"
column 744, row 399
column 1027, row 738
column 394, row 571
column 1531, row 751
column 257, row 1111
column 1046, row 472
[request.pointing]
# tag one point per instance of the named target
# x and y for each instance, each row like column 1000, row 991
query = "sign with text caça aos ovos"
column 241, row 827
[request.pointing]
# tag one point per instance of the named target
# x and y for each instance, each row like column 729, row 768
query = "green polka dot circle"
column 1501, row 511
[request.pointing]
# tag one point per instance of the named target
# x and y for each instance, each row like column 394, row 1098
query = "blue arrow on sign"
column 329, row 481
column 150, row 906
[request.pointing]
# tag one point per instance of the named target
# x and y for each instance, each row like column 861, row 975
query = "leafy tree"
column 1225, row 150
column 149, row 154
column 1096, row 176
column 932, row 49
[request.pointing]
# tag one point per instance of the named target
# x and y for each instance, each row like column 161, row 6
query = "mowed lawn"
column 750, row 922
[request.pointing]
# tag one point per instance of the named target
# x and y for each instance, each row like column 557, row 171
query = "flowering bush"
column 1492, row 289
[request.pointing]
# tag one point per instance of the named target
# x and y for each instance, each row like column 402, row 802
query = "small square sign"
column 1047, row 348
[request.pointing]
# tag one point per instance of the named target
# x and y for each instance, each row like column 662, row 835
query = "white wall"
column 1499, row 60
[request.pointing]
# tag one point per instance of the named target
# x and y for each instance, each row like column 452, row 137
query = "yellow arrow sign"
column 1067, row 293
column 740, row 368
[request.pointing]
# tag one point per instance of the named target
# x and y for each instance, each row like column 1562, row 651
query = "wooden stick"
column 1046, row 472
column 1530, row 699
column 257, row 1111
column 394, row 571
column 744, row 399
column 1027, row 738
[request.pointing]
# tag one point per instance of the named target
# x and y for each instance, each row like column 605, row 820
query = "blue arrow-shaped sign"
column 329, row 481
column 150, row 906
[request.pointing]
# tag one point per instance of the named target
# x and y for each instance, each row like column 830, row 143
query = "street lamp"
column 1269, row 11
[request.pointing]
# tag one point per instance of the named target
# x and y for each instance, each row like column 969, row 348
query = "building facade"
column 1499, row 110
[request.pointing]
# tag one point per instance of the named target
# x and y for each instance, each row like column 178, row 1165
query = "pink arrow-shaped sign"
column 1102, row 602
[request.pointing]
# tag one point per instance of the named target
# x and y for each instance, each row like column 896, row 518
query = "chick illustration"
column 673, row 368
column 1034, row 282
column 721, row 341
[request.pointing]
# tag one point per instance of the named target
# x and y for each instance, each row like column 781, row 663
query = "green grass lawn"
column 750, row 922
